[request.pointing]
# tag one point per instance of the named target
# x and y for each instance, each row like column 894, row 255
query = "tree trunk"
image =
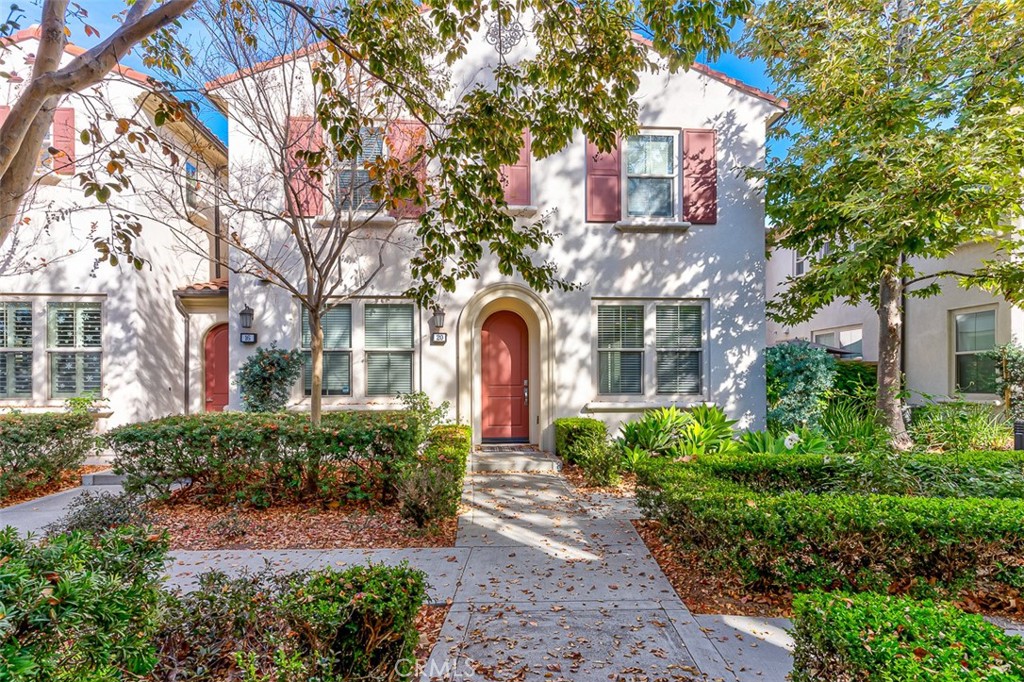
column 316, row 348
column 890, row 384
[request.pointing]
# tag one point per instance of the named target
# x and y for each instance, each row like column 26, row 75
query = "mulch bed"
column 429, row 621
column 707, row 592
column 68, row 480
column 574, row 474
column 194, row 526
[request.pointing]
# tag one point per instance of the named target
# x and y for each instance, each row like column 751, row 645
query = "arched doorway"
column 215, row 368
column 504, row 378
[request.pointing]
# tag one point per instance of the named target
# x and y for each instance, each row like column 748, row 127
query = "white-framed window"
column 191, row 185
column 651, row 183
column 849, row 339
column 388, row 340
column 974, row 334
column 620, row 349
column 74, row 346
column 15, row 350
column 352, row 183
column 802, row 262
column 652, row 348
column 337, row 371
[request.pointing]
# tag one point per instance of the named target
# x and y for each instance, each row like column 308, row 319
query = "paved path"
column 555, row 587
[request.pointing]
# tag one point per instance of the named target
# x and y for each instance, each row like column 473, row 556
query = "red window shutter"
column 700, row 177
column 604, row 184
column 64, row 138
column 516, row 178
column 304, row 134
column 5, row 111
column 405, row 139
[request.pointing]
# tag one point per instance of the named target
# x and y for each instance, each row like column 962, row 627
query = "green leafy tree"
column 906, row 131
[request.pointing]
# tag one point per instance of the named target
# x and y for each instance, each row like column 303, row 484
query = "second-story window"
column 191, row 185
column 652, row 175
column 352, row 180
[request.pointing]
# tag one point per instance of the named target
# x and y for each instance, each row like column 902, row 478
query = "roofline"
column 317, row 46
column 35, row 32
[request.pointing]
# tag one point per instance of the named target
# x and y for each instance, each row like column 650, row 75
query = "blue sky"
column 101, row 17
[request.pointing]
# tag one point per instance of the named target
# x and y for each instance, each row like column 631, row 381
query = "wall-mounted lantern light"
column 437, row 319
column 246, row 316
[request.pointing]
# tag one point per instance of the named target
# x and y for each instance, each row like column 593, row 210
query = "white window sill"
column 641, row 226
column 359, row 218
column 641, row 404
column 197, row 217
column 521, row 211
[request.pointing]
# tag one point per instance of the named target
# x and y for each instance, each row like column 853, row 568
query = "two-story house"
column 70, row 326
column 665, row 232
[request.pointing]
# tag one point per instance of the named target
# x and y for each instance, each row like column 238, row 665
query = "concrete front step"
column 100, row 478
column 490, row 459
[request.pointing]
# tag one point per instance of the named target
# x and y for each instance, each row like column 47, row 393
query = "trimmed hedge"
column 329, row 624
column 36, row 449
column 577, row 438
column 889, row 639
column 796, row 540
column 432, row 487
column 263, row 459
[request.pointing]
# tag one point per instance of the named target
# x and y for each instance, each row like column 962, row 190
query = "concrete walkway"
column 557, row 587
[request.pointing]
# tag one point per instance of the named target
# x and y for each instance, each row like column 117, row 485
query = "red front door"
column 216, row 369
column 505, row 371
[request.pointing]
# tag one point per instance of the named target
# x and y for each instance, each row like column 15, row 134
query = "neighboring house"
column 666, row 233
column 945, row 336
column 70, row 326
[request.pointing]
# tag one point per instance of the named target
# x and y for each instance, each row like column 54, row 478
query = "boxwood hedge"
column 577, row 438
column 262, row 459
column 38, row 448
column 843, row 638
column 748, row 515
column 432, row 486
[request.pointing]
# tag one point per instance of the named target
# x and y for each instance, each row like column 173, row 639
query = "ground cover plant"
column 39, row 449
column 788, row 523
column 844, row 638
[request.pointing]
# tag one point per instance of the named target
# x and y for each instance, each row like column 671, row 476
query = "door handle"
column 526, row 392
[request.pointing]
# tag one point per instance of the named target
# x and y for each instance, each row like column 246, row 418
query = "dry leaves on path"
column 67, row 481
column 574, row 474
column 193, row 526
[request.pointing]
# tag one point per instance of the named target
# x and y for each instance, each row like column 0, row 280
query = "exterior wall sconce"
column 246, row 317
column 437, row 336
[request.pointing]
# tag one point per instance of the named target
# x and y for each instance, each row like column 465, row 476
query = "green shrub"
column 959, row 426
column 602, row 466
column 427, row 414
column 353, row 624
column 577, row 437
column 97, row 513
column 36, row 449
column 708, row 431
column 266, row 378
column 787, row 538
column 851, row 425
column 432, row 486
column 856, row 380
column 798, row 441
column 262, row 459
column 873, row 637
column 656, row 431
column 799, row 381
column 79, row 607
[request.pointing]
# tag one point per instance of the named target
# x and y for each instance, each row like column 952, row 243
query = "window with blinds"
column 388, row 330
column 679, row 339
column 15, row 350
column 620, row 344
column 74, row 344
column 352, row 179
column 337, row 327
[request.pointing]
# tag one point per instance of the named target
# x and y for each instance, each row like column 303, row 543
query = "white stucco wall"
column 721, row 264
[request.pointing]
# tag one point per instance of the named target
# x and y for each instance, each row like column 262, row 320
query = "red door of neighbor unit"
column 505, row 373
column 216, row 369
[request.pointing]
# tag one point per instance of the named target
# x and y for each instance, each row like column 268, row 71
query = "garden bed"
column 197, row 527
column 66, row 480
column 626, row 487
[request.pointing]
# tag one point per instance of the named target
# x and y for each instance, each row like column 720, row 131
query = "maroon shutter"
column 700, row 177
column 303, row 135
column 405, row 139
column 604, row 184
column 64, row 140
column 516, row 178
